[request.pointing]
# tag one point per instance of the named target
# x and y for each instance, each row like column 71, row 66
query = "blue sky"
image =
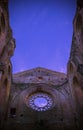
column 43, row 31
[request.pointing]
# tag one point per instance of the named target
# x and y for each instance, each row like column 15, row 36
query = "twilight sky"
column 43, row 32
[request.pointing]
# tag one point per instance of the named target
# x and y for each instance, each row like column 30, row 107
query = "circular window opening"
column 40, row 101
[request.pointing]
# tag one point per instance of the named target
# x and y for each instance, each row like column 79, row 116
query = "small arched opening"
column 71, row 68
column 75, row 81
column 9, row 70
column 5, row 82
column 6, row 87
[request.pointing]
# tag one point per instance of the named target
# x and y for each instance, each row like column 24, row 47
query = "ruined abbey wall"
column 75, row 64
column 68, row 109
column 7, row 45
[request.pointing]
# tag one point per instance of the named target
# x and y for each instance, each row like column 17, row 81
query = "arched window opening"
column 2, row 23
column 9, row 70
column 4, row 90
column 79, row 22
column 6, row 87
column 5, row 82
column 75, row 81
column 71, row 68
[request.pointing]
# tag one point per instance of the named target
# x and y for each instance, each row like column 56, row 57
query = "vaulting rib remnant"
column 7, row 46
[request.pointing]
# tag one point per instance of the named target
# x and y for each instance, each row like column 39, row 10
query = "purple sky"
column 43, row 32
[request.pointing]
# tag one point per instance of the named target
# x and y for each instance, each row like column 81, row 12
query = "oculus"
column 40, row 101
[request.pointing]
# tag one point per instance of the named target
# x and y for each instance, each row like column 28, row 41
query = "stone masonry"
column 63, row 93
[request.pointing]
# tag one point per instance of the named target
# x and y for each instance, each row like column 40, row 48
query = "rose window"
column 40, row 101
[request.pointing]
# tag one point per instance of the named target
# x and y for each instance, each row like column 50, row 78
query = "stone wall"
column 68, row 110
column 7, row 45
column 21, row 115
column 60, row 116
column 75, row 64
